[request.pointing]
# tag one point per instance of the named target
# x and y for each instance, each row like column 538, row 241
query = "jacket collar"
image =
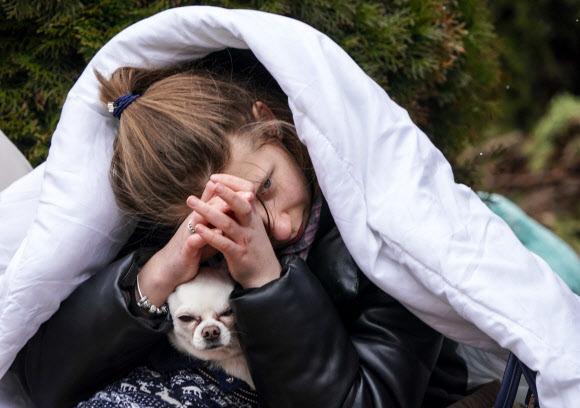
column 326, row 222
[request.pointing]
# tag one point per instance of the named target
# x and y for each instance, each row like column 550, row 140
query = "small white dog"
column 203, row 322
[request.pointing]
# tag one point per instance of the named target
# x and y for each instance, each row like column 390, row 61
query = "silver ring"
column 191, row 229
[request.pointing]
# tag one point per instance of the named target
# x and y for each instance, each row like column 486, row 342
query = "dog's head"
column 203, row 323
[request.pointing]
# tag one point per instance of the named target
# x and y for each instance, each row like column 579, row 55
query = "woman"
column 315, row 331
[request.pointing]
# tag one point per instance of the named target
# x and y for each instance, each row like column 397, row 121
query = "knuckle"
column 217, row 202
column 196, row 217
column 201, row 208
column 239, row 252
column 247, row 210
column 230, row 247
column 228, row 223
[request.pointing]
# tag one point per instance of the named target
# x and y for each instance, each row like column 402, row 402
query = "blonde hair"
column 175, row 135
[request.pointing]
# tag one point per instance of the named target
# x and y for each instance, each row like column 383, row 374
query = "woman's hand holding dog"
column 244, row 242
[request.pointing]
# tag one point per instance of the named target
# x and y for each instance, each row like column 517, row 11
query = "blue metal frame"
column 511, row 380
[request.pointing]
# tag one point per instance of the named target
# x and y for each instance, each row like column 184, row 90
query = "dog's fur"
column 203, row 324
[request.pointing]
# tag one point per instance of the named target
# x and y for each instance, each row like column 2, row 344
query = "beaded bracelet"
column 145, row 304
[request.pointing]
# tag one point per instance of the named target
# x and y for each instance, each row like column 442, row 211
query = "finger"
column 216, row 218
column 193, row 219
column 191, row 239
column 233, row 182
column 208, row 191
column 239, row 202
column 191, row 248
column 196, row 241
column 218, row 241
column 215, row 201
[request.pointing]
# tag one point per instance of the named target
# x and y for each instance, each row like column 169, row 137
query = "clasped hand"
column 225, row 219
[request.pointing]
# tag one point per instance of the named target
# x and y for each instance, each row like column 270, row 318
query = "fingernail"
column 200, row 228
column 219, row 189
column 219, row 231
column 192, row 201
column 215, row 177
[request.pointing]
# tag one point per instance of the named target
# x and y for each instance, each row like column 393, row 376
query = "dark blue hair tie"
column 117, row 107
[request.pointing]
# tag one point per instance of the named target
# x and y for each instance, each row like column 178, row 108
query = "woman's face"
column 279, row 184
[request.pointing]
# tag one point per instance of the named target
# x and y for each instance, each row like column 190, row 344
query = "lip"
column 298, row 234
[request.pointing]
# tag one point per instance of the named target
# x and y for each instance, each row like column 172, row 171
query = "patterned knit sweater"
column 174, row 380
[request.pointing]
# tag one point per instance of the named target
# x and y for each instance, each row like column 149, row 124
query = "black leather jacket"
column 320, row 336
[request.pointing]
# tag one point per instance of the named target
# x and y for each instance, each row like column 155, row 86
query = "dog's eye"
column 227, row 313
column 186, row 319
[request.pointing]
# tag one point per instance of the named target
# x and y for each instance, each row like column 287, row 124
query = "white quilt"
column 427, row 241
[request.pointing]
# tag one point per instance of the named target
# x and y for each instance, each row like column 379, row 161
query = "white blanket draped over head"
column 426, row 240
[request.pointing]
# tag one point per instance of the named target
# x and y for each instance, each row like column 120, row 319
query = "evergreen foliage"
column 540, row 55
column 436, row 58
column 556, row 136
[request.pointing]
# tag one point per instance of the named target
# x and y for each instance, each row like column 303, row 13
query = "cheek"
column 228, row 321
column 186, row 329
column 296, row 185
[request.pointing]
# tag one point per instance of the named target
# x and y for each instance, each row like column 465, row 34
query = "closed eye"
column 228, row 312
column 186, row 318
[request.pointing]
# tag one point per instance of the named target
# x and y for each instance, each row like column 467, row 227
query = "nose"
column 281, row 227
column 210, row 332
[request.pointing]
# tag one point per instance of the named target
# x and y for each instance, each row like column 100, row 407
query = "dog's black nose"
column 210, row 332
